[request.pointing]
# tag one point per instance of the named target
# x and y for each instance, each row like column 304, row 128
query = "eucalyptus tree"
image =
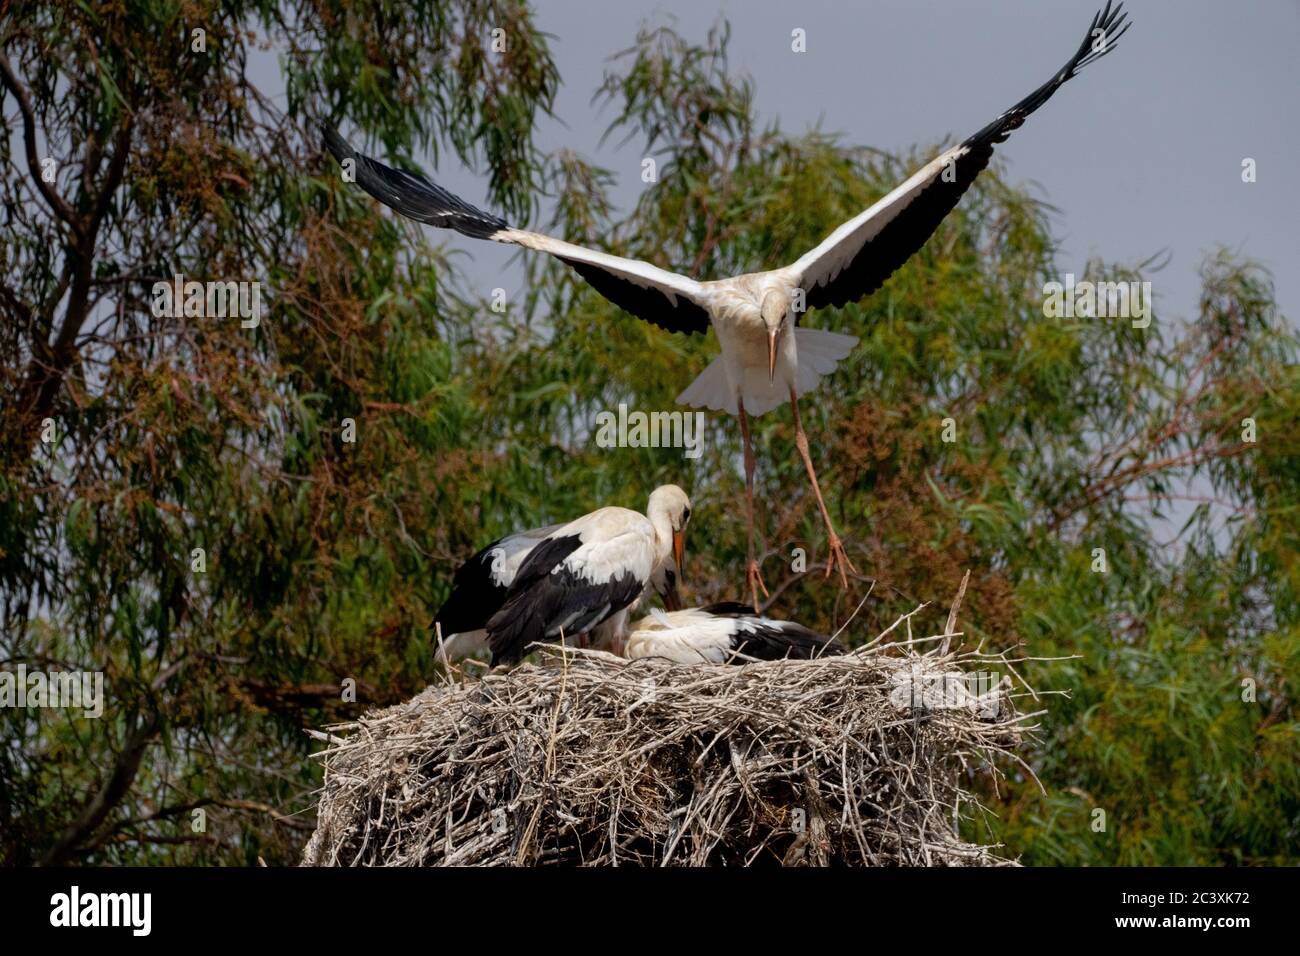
column 248, row 526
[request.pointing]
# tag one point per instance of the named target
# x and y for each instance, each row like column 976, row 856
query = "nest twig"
column 585, row 758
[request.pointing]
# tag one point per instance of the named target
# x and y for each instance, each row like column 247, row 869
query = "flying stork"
column 583, row 577
column 723, row 633
column 765, row 360
column 480, row 585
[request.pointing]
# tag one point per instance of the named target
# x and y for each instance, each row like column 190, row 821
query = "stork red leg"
column 753, row 579
column 837, row 556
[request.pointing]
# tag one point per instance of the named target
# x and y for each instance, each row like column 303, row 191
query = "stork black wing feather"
column 546, row 600
column 776, row 640
column 729, row 609
column 475, row 595
column 413, row 195
column 900, row 238
column 418, row 198
column 647, row 303
column 768, row 639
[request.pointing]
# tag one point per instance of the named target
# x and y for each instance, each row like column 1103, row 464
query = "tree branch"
column 109, row 796
column 57, row 202
column 49, row 361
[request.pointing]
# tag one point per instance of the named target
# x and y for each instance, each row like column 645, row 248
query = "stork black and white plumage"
column 585, row 576
column 480, row 586
column 765, row 360
column 478, row 589
column 723, row 633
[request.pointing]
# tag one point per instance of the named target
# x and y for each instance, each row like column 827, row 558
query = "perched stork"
column 765, row 360
column 722, row 633
column 480, row 585
column 583, row 577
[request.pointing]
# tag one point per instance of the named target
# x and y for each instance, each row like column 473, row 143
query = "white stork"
column 761, row 366
column 480, row 585
column 583, row 577
column 723, row 633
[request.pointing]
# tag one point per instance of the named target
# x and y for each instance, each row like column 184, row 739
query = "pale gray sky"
column 1142, row 152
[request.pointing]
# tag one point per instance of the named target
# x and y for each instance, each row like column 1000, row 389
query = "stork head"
column 775, row 308
column 670, row 512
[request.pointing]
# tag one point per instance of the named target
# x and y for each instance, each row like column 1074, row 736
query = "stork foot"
column 839, row 559
column 754, row 581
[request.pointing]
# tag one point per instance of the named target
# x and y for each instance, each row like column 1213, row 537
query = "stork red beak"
column 679, row 553
column 773, row 340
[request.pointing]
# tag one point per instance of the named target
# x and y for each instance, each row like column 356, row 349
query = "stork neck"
column 663, row 528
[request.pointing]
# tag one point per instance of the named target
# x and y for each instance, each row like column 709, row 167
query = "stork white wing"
column 721, row 633
column 666, row 299
column 821, row 266
column 479, row 588
column 856, row 259
column 584, row 573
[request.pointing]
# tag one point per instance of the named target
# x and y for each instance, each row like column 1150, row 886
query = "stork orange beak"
column 679, row 553
column 773, row 340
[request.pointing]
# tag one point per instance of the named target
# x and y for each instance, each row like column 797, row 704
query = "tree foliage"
column 325, row 559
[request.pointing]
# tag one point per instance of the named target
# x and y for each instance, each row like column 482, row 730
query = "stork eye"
column 686, row 516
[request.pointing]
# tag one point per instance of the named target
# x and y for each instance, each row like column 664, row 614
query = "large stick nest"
column 585, row 758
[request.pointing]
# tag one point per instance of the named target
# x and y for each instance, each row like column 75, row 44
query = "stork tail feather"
column 819, row 352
